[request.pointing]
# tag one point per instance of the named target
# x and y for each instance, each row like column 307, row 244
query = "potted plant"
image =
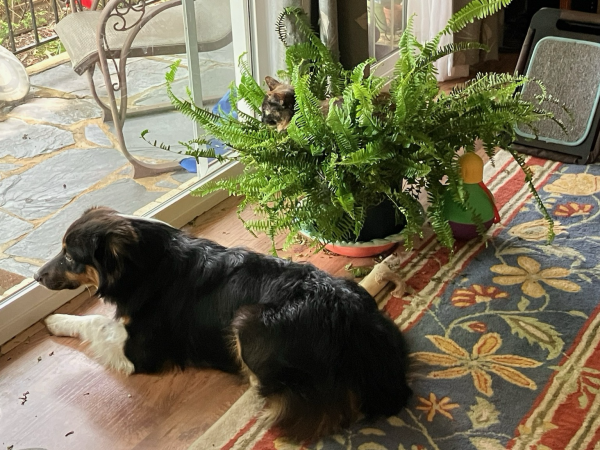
column 350, row 146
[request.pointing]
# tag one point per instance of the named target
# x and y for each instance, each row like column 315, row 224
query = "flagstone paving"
column 12, row 228
column 48, row 186
column 58, row 157
column 25, row 140
column 57, row 110
column 168, row 128
column 20, row 268
column 45, row 241
column 64, row 81
column 95, row 135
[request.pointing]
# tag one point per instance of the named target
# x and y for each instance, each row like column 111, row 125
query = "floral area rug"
column 504, row 335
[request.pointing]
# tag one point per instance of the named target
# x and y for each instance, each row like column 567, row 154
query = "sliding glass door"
column 70, row 161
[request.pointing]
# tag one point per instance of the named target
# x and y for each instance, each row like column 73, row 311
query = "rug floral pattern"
column 505, row 334
column 488, row 344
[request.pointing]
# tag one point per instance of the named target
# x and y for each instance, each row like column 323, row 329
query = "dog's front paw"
column 62, row 325
column 125, row 367
column 112, row 357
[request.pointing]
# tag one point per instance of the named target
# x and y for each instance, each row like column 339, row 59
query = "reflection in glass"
column 387, row 19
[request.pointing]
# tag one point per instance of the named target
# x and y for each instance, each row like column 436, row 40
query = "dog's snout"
column 41, row 276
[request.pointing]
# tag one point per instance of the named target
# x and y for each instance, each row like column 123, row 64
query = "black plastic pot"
column 380, row 222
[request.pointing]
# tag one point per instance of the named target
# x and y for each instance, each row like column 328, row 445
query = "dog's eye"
column 68, row 258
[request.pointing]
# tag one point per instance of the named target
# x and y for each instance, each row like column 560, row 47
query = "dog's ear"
column 99, row 209
column 114, row 240
column 272, row 83
column 121, row 236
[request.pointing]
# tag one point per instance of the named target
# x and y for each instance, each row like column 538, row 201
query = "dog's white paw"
column 112, row 357
column 62, row 325
column 123, row 366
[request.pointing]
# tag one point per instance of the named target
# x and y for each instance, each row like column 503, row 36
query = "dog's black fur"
column 318, row 347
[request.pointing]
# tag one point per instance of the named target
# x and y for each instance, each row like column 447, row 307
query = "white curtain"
column 276, row 48
column 430, row 16
column 328, row 23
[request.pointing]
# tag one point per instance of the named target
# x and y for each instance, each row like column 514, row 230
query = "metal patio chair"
column 124, row 29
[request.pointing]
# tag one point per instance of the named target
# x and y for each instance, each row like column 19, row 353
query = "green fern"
column 449, row 49
column 327, row 75
column 476, row 9
column 326, row 171
column 249, row 90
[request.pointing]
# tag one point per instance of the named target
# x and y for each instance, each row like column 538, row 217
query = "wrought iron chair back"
column 123, row 29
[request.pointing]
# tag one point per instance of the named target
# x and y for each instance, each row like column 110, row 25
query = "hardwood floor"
column 74, row 403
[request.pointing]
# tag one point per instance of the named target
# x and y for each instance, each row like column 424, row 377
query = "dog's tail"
column 305, row 414
column 317, row 382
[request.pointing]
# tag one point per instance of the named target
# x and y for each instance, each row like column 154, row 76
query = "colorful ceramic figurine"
column 479, row 198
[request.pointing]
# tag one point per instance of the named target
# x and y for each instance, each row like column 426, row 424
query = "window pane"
column 59, row 157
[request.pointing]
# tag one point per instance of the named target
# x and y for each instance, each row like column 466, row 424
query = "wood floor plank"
column 70, row 392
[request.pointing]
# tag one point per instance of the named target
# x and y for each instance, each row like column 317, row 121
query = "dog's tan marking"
column 276, row 407
column 125, row 320
column 236, row 349
column 89, row 276
column 117, row 246
column 123, row 233
column 285, row 411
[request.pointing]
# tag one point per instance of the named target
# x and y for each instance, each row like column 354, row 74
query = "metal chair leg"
column 118, row 114
column 106, row 114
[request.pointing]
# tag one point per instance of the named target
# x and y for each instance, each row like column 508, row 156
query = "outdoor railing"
column 27, row 24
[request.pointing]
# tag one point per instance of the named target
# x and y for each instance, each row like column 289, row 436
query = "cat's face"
column 278, row 105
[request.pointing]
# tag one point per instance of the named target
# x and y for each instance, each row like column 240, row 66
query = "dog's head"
column 93, row 250
column 278, row 105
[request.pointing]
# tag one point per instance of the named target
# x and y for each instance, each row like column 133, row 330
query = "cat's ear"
column 287, row 99
column 272, row 82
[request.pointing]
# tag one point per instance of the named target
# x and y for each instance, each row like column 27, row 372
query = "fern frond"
column 449, row 49
column 249, row 90
column 476, row 9
column 342, row 130
column 538, row 201
column 327, row 72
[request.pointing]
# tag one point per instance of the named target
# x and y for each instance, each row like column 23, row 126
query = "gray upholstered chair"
column 132, row 28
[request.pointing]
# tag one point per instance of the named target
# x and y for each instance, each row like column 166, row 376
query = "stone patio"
column 58, row 157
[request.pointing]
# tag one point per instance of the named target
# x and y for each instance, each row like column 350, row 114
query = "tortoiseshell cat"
column 278, row 105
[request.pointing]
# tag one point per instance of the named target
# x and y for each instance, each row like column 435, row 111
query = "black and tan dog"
column 316, row 346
